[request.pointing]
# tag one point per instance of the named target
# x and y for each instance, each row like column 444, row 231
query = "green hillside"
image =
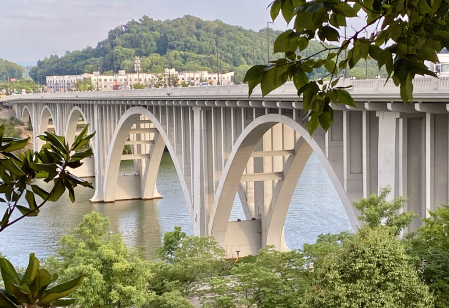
column 187, row 43
column 9, row 70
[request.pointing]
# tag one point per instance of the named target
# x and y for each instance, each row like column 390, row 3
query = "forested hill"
column 9, row 70
column 187, row 43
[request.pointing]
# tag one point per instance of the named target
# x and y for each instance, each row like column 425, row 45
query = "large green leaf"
column 39, row 191
column 62, row 290
column 275, row 8
column 59, row 189
column 29, row 196
column 54, row 140
column 345, row 98
column 41, row 282
column 30, row 273
column 21, row 293
column 288, row 11
column 26, row 211
column 9, row 275
column 12, row 167
column 17, row 144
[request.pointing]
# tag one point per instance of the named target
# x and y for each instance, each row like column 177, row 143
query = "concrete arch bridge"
column 223, row 144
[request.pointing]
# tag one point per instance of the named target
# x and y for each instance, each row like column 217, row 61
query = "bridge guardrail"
column 370, row 86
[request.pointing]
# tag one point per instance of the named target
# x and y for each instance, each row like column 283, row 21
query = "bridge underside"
column 257, row 150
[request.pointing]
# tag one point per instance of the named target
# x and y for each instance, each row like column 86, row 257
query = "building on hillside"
column 122, row 81
column 57, row 84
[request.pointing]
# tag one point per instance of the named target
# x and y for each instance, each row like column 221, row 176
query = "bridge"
column 223, row 144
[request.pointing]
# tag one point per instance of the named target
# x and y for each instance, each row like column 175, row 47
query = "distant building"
column 121, row 80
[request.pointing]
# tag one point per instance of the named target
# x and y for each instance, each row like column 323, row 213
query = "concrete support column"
column 388, row 152
column 100, row 154
column 430, row 162
column 334, row 145
column 199, row 208
column 36, row 125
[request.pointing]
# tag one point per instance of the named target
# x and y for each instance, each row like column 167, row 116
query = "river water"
column 315, row 209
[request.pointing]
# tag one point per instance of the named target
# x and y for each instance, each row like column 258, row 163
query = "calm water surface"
column 315, row 209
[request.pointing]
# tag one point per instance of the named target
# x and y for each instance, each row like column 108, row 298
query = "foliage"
column 188, row 260
column 402, row 35
column 83, row 85
column 170, row 243
column 275, row 279
column 139, row 86
column 376, row 210
column 9, row 70
column 429, row 248
column 11, row 129
column 324, row 245
column 372, row 270
column 172, row 299
column 50, row 163
column 118, row 275
column 17, row 86
column 34, row 287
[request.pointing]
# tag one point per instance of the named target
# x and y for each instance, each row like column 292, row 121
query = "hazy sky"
column 33, row 29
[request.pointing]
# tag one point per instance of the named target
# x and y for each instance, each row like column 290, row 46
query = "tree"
column 51, row 163
column 171, row 242
column 402, row 36
column 376, row 210
column 373, row 270
column 187, row 261
column 118, row 275
column 275, row 279
column 429, row 248
column 83, row 85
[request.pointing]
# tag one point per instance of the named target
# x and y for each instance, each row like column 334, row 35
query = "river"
column 315, row 209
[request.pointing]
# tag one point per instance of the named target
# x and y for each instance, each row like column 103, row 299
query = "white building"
column 122, row 80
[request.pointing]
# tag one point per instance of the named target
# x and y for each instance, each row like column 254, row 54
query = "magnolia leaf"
column 30, row 273
column 17, row 144
column 9, row 275
column 39, row 191
column 12, row 167
column 62, row 290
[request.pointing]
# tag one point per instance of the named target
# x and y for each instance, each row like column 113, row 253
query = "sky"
column 33, row 29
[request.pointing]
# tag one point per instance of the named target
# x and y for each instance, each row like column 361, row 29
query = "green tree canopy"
column 117, row 275
column 373, row 270
column 429, row 248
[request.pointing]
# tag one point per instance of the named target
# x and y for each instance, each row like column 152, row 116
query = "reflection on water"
column 315, row 209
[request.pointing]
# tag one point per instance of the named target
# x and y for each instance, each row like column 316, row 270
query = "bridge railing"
column 368, row 86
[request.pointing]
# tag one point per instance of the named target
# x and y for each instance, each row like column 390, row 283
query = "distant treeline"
column 187, row 43
column 9, row 70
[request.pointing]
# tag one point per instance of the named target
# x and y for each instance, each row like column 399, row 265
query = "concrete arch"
column 241, row 152
column 88, row 167
column 115, row 152
column 26, row 115
column 72, row 122
column 45, row 115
